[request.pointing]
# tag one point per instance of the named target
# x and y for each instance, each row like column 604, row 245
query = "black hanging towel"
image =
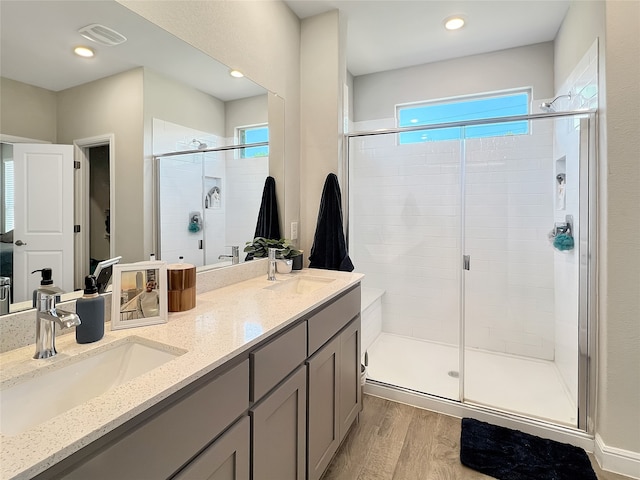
column 268, row 225
column 329, row 248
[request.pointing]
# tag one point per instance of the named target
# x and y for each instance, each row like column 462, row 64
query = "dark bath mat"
column 513, row 455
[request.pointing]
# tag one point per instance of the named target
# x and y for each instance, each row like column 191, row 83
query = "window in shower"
column 250, row 135
column 470, row 108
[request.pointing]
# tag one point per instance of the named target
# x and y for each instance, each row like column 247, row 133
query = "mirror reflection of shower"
column 208, row 195
column 197, row 144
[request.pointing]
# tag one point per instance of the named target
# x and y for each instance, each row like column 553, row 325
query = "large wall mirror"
column 148, row 95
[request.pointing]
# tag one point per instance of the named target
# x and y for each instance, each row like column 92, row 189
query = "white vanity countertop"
column 225, row 322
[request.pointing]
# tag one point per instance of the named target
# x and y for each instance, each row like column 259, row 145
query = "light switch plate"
column 294, row 230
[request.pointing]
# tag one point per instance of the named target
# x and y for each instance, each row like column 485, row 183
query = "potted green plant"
column 259, row 248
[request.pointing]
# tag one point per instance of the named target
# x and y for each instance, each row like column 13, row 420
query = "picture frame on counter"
column 139, row 295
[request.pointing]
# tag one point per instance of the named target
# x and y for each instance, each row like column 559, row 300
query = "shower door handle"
column 466, row 261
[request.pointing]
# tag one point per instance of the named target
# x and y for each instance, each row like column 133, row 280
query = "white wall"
column 377, row 94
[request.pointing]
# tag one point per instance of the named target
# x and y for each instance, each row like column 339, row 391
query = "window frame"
column 461, row 100
column 241, row 140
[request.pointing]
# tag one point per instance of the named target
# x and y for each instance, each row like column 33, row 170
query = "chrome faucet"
column 271, row 272
column 235, row 255
column 47, row 315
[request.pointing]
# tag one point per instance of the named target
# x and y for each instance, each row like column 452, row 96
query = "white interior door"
column 43, row 231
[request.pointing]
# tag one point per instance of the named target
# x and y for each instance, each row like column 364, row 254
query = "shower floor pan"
column 504, row 382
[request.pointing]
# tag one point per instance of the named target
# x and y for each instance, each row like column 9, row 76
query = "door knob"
column 20, row 243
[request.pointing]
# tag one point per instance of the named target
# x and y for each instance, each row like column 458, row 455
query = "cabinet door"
column 279, row 431
column 174, row 435
column 225, row 459
column 350, row 392
column 323, row 435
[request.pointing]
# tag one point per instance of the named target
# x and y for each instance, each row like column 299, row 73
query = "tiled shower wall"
column 404, row 231
column 240, row 180
column 245, row 182
column 583, row 85
column 180, row 186
column 509, row 295
column 405, row 236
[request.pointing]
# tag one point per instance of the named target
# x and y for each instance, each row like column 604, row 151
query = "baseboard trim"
column 457, row 409
column 617, row 460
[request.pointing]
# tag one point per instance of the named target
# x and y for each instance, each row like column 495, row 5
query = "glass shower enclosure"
column 208, row 201
column 478, row 249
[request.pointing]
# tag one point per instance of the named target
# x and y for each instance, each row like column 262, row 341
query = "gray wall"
column 27, row 111
column 376, row 95
column 113, row 105
column 261, row 39
column 616, row 24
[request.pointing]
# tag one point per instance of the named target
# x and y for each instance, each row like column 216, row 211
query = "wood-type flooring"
column 393, row 441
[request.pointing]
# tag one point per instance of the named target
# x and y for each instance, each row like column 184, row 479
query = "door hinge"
column 76, row 165
column 466, row 262
column 76, row 229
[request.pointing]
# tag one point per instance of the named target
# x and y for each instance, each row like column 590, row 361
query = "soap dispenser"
column 90, row 309
column 46, row 281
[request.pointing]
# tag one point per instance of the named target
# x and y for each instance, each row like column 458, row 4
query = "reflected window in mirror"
column 250, row 135
column 7, row 195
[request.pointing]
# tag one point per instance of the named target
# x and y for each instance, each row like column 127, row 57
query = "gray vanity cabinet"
column 334, row 380
column 226, row 459
column 324, row 383
column 279, row 431
column 278, row 412
column 349, row 389
column 161, row 444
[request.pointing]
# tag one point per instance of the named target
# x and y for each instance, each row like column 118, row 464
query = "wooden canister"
column 181, row 287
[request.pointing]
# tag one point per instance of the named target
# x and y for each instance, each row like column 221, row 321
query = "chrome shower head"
column 548, row 106
column 198, row 144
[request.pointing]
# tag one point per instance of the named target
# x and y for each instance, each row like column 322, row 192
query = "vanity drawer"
column 330, row 320
column 271, row 363
column 171, row 437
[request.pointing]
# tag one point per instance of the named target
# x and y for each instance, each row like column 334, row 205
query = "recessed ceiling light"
column 236, row 73
column 454, row 23
column 414, row 120
column 84, row 52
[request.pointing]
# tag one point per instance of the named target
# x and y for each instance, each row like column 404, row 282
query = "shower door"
column 180, row 208
column 521, row 247
column 404, row 235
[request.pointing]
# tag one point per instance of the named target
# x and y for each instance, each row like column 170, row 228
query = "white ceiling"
column 390, row 34
column 37, row 39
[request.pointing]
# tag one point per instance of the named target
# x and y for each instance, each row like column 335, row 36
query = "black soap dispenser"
column 46, row 281
column 90, row 309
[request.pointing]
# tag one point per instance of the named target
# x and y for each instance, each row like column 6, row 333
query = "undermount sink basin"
column 301, row 285
column 48, row 394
